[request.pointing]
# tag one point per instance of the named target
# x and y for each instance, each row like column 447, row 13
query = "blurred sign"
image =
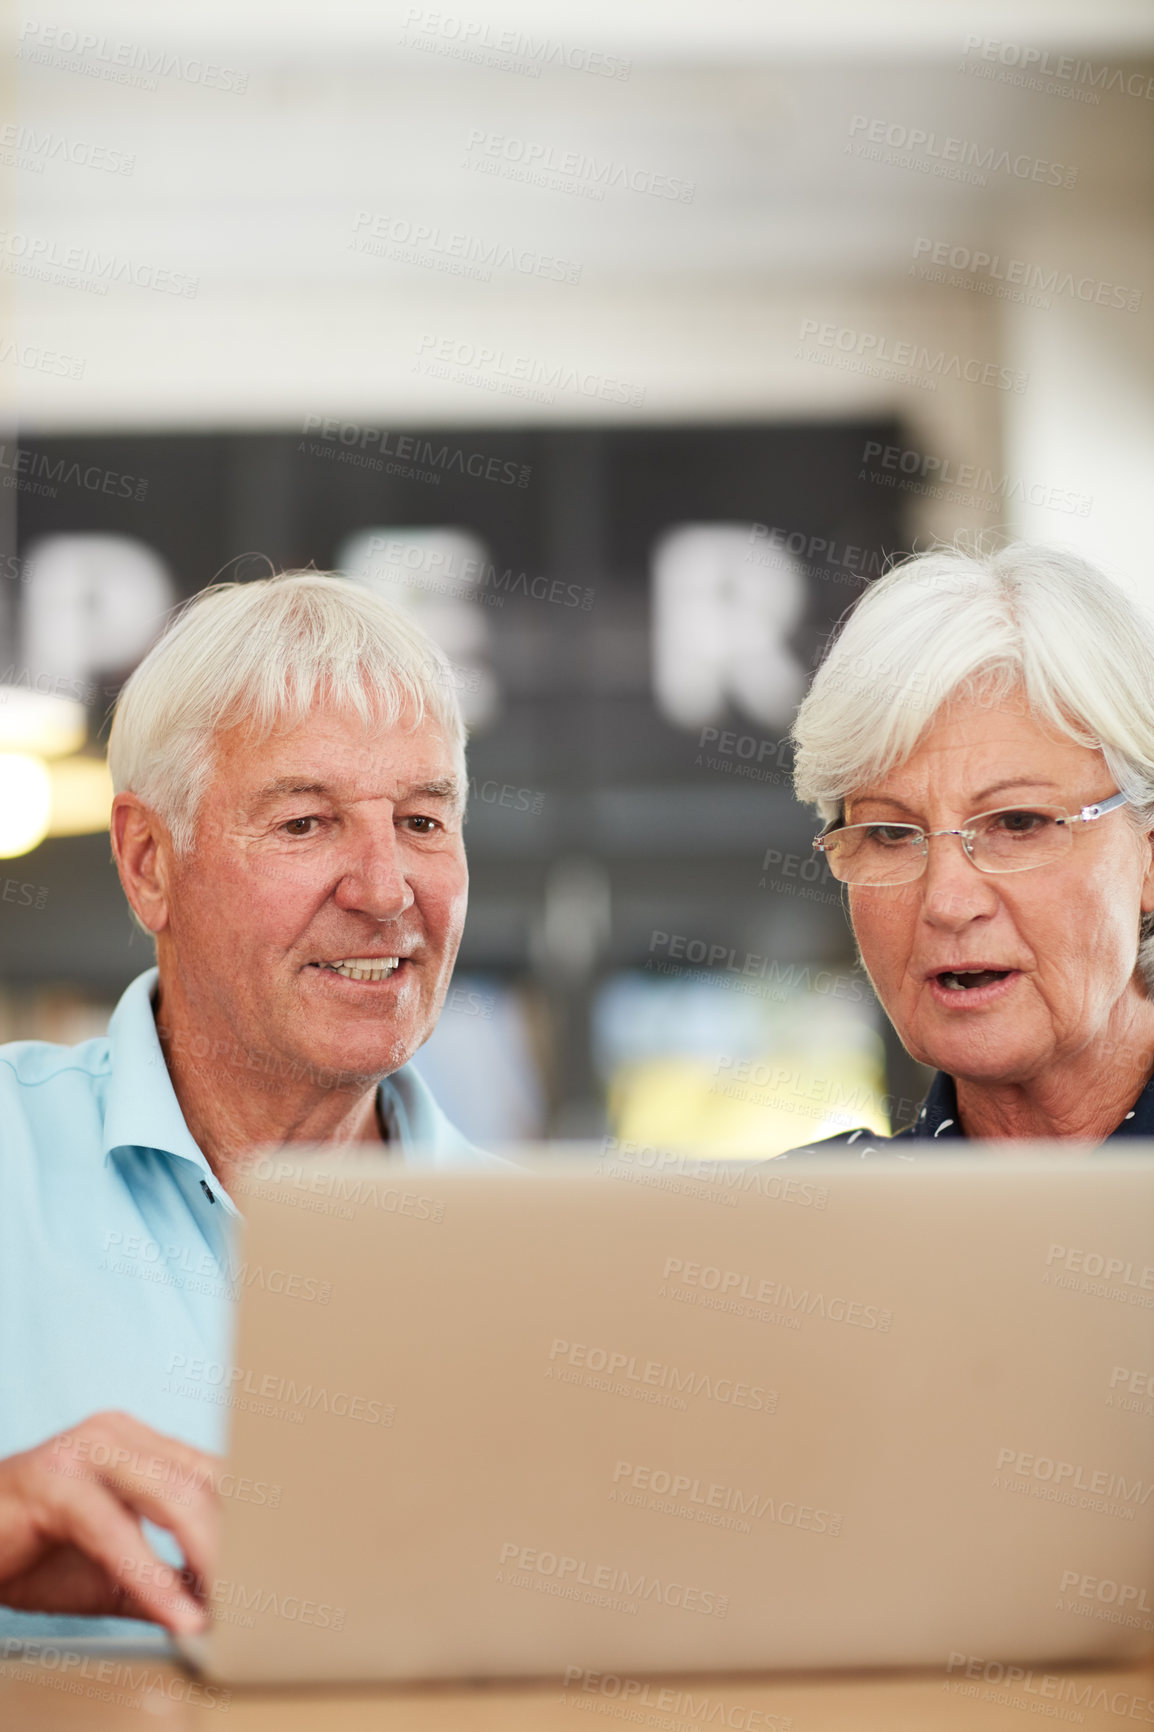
column 93, row 607
column 721, row 627
column 434, row 575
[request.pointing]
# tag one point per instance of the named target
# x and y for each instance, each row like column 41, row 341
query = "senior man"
column 289, row 767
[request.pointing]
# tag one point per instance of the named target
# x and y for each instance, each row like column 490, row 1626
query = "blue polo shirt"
column 115, row 1239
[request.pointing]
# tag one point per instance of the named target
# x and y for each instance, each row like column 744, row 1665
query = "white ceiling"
column 651, row 30
column 256, row 193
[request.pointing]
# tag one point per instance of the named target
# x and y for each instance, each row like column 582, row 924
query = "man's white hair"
column 952, row 623
column 261, row 655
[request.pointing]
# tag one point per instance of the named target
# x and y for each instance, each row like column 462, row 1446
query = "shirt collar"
column 141, row 1109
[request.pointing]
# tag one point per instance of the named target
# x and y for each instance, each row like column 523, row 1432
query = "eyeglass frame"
column 1098, row 809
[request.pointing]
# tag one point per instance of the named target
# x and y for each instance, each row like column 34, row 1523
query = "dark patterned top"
column 938, row 1123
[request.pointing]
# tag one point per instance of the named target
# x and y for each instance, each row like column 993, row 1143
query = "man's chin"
column 352, row 1064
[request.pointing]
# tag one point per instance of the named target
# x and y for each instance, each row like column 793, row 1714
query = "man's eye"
column 424, row 826
column 294, row 826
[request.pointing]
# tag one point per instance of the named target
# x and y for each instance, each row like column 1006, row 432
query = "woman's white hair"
column 952, row 623
column 261, row 654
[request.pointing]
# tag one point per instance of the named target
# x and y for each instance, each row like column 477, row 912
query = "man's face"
column 334, row 843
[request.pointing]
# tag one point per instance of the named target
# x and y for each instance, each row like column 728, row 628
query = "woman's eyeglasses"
column 1012, row 839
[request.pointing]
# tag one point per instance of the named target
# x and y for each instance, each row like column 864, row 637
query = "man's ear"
column 142, row 848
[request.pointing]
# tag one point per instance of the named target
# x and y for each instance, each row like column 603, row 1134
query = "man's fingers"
column 159, row 1477
column 92, row 1518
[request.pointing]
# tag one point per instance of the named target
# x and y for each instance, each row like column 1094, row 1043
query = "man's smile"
column 371, row 968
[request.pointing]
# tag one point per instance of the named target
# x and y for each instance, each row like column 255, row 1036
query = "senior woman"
column 980, row 743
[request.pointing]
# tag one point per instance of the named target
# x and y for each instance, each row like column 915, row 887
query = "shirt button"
column 207, row 1192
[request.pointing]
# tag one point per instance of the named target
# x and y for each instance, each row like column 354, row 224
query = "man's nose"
column 954, row 892
column 375, row 881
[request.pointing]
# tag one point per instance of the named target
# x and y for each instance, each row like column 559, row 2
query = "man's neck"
column 234, row 1112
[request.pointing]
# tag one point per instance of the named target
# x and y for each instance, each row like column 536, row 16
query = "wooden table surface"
column 41, row 1697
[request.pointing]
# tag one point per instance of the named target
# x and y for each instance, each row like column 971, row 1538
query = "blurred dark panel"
column 681, row 845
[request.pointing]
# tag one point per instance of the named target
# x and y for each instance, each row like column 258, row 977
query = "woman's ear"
column 142, row 847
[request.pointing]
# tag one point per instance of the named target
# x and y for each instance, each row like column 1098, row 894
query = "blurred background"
column 622, row 344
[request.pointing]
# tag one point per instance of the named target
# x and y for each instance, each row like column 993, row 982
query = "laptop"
column 694, row 1416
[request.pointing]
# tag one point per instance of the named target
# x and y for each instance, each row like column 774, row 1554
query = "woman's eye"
column 888, row 835
column 1021, row 823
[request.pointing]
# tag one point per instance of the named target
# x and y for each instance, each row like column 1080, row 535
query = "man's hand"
column 70, row 1514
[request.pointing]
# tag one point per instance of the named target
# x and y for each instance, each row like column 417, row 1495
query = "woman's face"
column 1061, row 939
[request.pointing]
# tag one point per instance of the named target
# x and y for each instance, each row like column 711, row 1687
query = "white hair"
column 952, row 623
column 261, row 654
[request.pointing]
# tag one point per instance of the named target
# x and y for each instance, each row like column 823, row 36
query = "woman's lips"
column 972, row 988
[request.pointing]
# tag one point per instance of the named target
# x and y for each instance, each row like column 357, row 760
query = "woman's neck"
column 1084, row 1096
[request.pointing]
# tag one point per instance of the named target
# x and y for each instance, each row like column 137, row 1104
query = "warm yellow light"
column 40, row 722
column 25, row 803
column 81, row 796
